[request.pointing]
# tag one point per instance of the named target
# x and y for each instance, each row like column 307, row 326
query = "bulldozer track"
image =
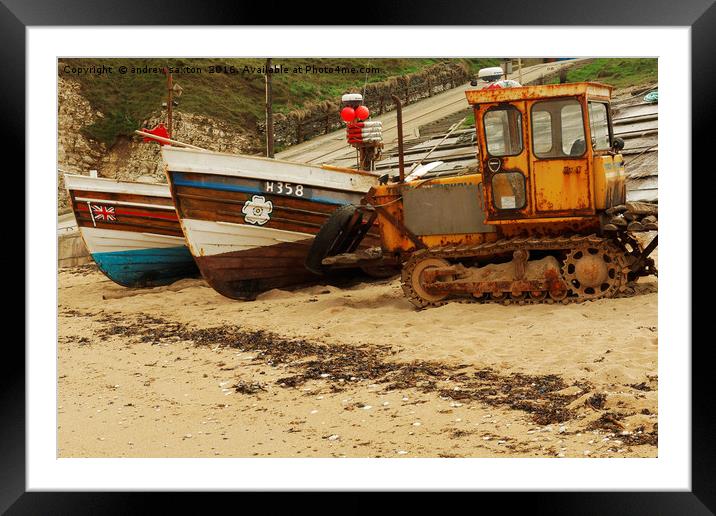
column 566, row 244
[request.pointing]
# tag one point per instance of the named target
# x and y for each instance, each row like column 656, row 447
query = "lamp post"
column 170, row 100
column 269, row 111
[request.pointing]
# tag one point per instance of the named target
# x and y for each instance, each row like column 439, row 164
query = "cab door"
column 560, row 157
column 607, row 166
column 505, row 160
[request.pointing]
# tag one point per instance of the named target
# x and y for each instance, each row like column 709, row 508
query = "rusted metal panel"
column 445, row 210
column 609, row 181
column 508, row 164
column 562, row 179
column 591, row 89
column 561, row 185
column 402, row 230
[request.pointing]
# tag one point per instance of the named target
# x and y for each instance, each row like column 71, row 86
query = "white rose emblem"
column 257, row 210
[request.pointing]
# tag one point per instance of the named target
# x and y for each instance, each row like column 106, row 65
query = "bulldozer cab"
column 547, row 152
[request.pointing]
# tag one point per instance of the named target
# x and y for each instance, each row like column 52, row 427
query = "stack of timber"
column 637, row 123
column 634, row 216
column 457, row 153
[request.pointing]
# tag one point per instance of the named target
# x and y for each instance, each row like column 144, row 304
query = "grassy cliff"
column 617, row 72
column 230, row 90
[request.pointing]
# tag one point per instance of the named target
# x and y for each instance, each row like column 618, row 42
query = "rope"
column 416, row 165
column 640, row 154
column 388, row 203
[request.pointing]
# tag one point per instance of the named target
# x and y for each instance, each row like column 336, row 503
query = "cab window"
column 508, row 191
column 542, row 129
column 599, row 125
column 503, row 131
column 558, row 129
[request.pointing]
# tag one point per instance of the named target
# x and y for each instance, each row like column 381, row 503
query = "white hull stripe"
column 111, row 240
column 101, row 184
column 126, row 203
column 208, row 238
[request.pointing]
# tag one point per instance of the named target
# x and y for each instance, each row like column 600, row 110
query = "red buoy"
column 362, row 113
column 348, row 114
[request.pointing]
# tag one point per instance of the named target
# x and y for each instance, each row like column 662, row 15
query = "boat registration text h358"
column 290, row 189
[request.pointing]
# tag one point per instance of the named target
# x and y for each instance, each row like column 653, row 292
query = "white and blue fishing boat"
column 131, row 230
column 250, row 221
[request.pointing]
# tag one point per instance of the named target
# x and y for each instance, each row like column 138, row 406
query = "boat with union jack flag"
column 131, row 230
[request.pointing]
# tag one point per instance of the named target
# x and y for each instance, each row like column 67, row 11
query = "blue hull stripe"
column 147, row 267
column 179, row 181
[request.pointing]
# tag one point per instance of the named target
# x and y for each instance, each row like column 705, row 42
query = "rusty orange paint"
column 593, row 90
column 563, row 193
column 609, row 180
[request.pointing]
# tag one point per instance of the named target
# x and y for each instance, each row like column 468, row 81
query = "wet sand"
column 350, row 371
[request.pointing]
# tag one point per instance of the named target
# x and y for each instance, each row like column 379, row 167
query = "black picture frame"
column 699, row 15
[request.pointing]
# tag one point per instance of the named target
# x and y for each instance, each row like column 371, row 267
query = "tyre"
column 329, row 238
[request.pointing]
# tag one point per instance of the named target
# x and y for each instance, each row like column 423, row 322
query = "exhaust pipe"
column 399, row 112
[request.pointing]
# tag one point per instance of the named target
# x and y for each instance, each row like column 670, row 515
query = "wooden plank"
column 114, row 196
column 648, row 195
column 188, row 193
column 82, row 207
column 636, row 127
column 642, row 208
column 281, row 217
column 133, row 228
column 633, row 110
column 243, row 274
column 129, row 218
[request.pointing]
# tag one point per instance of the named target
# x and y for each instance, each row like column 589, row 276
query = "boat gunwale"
column 74, row 182
column 262, row 175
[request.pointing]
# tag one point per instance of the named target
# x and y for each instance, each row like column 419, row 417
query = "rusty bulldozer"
column 545, row 218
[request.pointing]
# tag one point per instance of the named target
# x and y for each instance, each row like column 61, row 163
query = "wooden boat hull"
column 249, row 222
column 131, row 230
column 139, row 259
column 245, row 273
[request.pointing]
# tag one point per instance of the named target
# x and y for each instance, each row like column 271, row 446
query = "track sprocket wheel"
column 594, row 271
column 412, row 280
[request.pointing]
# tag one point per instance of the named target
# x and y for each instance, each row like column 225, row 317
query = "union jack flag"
column 103, row 212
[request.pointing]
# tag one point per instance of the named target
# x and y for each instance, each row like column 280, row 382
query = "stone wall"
column 321, row 118
column 76, row 154
column 132, row 158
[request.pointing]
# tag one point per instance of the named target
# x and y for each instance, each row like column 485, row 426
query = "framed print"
column 411, row 257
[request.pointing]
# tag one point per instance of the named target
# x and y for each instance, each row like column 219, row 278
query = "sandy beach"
column 347, row 367
column 350, row 370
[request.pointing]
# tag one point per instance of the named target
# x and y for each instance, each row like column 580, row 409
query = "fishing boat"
column 249, row 221
column 131, row 230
